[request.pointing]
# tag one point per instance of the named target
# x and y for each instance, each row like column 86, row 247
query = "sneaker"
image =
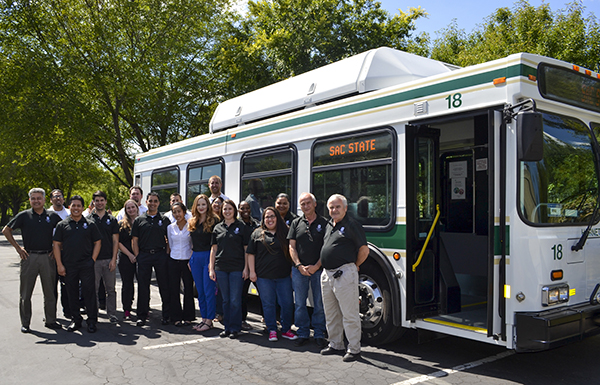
column 113, row 319
column 272, row 336
column 289, row 335
column 127, row 315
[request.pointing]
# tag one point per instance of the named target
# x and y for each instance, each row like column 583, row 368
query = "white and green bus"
column 477, row 186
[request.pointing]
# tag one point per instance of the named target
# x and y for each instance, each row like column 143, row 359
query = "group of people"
column 217, row 245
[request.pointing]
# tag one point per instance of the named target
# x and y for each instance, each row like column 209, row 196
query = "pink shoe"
column 272, row 336
column 289, row 335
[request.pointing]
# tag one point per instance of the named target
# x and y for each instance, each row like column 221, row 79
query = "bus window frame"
column 518, row 186
column 203, row 163
column 293, row 170
column 364, row 163
column 165, row 186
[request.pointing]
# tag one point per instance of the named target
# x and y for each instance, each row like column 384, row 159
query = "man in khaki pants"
column 344, row 249
column 36, row 257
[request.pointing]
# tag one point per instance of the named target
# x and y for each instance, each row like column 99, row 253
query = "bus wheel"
column 376, row 306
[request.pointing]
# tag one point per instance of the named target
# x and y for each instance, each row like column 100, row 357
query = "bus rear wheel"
column 376, row 306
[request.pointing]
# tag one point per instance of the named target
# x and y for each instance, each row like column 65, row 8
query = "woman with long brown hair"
column 270, row 268
column 201, row 225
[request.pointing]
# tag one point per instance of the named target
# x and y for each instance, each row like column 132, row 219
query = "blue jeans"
column 272, row 292
column 206, row 287
column 301, row 284
column 230, row 286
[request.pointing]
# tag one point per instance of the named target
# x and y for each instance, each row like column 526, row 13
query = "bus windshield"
column 562, row 188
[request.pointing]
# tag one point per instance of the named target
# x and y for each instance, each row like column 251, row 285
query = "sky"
column 469, row 13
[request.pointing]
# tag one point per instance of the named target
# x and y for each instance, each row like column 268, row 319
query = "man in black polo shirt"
column 344, row 249
column 36, row 257
column 77, row 243
column 106, row 264
column 149, row 244
column 306, row 240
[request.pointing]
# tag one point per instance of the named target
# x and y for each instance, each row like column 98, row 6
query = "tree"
column 566, row 35
column 131, row 75
column 294, row 36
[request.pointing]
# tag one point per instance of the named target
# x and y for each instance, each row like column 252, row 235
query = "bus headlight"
column 552, row 295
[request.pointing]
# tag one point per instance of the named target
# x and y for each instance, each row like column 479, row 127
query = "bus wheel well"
column 378, row 307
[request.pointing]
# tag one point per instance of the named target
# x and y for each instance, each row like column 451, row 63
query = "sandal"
column 204, row 327
column 199, row 326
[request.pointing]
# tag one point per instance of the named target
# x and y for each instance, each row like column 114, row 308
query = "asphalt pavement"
column 156, row 354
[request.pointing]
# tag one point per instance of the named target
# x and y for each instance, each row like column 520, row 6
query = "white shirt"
column 169, row 214
column 222, row 196
column 141, row 209
column 62, row 213
column 180, row 242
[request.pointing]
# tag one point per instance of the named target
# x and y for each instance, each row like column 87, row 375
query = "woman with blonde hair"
column 127, row 260
column 201, row 226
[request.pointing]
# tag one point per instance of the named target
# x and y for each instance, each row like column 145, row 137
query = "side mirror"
column 530, row 136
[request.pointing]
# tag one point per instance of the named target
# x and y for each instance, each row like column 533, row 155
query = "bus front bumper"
column 548, row 329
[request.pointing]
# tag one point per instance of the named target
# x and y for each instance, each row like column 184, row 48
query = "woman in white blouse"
column 180, row 244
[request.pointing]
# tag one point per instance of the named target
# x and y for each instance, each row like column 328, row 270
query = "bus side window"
column 266, row 174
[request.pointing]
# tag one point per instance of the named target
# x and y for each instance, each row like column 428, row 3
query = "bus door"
column 422, row 238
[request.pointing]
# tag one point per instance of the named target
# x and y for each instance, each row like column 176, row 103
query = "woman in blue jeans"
column 228, row 266
column 201, row 226
column 270, row 267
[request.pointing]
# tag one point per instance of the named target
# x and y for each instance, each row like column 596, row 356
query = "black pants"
column 178, row 272
column 160, row 262
column 84, row 272
column 128, row 273
column 64, row 298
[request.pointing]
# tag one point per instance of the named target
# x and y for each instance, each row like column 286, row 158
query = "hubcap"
column 371, row 301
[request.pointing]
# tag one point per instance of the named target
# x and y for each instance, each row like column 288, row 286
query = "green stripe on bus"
column 396, row 239
column 448, row 86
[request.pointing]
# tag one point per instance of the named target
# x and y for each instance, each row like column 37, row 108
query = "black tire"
column 376, row 306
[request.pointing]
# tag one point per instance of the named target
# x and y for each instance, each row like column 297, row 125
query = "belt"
column 154, row 251
column 39, row 251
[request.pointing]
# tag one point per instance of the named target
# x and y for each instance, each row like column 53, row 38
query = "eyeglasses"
column 270, row 217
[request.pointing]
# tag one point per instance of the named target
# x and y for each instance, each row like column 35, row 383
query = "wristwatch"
column 296, row 266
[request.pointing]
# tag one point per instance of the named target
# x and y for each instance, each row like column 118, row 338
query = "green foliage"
column 295, row 36
column 566, row 34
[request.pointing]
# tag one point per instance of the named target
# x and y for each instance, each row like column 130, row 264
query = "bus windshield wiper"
column 596, row 150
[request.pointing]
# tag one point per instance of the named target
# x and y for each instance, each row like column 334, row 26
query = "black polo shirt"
column 151, row 231
column 342, row 242
column 230, row 241
column 201, row 240
column 309, row 238
column 269, row 260
column 252, row 224
column 108, row 226
column 289, row 217
column 125, row 239
column 77, row 239
column 36, row 229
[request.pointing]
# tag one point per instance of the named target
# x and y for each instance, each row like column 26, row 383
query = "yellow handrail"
column 437, row 216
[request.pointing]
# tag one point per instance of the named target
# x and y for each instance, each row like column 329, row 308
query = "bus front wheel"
column 376, row 306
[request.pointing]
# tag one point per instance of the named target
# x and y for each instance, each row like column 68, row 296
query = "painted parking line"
column 456, row 369
column 196, row 341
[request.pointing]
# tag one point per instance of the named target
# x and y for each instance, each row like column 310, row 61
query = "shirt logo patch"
column 85, row 225
column 319, row 228
column 47, row 219
column 108, row 222
column 160, row 222
column 342, row 230
column 237, row 230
